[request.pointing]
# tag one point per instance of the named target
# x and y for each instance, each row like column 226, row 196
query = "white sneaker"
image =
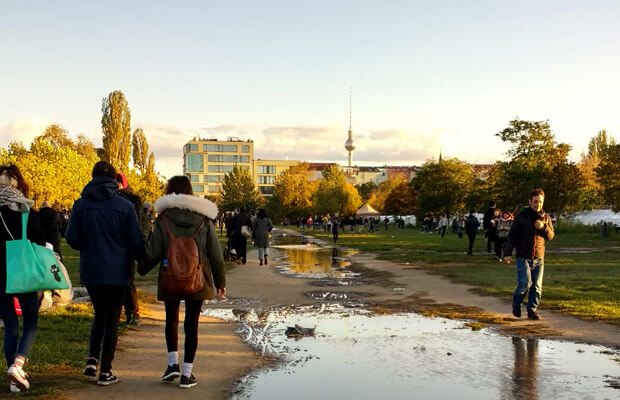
column 14, row 388
column 18, row 376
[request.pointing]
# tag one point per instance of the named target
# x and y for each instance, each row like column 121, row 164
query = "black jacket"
column 488, row 216
column 471, row 225
column 105, row 229
column 51, row 224
column 240, row 220
column 13, row 220
column 529, row 241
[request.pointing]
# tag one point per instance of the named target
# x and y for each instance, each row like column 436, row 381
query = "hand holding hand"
column 507, row 259
column 539, row 224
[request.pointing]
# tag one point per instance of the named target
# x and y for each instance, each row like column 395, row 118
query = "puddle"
column 304, row 257
column 354, row 355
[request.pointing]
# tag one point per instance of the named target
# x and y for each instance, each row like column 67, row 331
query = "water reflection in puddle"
column 302, row 257
column 409, row 356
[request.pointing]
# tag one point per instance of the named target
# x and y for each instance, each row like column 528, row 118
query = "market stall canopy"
column 367, row 211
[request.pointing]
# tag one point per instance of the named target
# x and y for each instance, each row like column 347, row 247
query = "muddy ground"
column 381, row 286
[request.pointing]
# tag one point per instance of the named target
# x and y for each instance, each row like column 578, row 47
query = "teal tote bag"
column 30, row 267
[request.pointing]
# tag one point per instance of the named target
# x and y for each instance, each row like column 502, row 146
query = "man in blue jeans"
column 532, row 227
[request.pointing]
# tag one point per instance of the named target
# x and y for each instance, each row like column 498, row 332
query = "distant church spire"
column 350, row 144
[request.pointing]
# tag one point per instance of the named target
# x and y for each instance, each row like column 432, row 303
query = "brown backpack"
column 182, row 274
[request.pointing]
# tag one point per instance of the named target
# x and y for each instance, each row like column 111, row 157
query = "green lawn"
column 586, row 285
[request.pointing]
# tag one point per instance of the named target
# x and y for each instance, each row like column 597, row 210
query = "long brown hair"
column 13, row 171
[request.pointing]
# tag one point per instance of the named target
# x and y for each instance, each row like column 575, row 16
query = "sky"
column 425, row 76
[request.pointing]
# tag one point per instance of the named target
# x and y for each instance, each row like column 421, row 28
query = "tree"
column 238, row 190
column 442, row 186
column 335, row 194
column 85, row 147
column 536, row 159
column 590, row 161
column 57, row 136
column 402, row 200
column 140, row 150
column 378, row 198
column 608, row 175
column 366, row 190
column 116, row 127
column 293, row 194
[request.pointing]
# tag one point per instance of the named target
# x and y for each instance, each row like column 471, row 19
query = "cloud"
column 22, row 130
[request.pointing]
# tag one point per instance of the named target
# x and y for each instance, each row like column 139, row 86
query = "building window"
column 266, row 189
column 245, row 149
column 266, row 180
column 266, row 169
column 214, row 189
column 220, row 168
column 193, row 178
column 195, row 162
column 213, row 178
column 228, row 158
column 198, row 188
column 191, row 147
column 219, row 148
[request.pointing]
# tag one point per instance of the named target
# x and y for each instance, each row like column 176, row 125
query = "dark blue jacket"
column 105, row 229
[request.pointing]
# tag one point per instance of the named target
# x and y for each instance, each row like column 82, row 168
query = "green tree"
column 116, row 127
column 366, row 190
column 590, row 161
column 335, row 194
column 238, row 190
column 442, row 186
column 536, row 159
column 402, row 200
column 608, row 175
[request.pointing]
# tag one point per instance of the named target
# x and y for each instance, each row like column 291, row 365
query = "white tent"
column 367, row 211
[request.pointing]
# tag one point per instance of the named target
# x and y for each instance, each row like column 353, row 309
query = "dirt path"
column 141, row 359
column 222, row 357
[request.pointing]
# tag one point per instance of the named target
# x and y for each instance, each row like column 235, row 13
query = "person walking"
column 14, row 203
column 260, row 231
column 503, row 227
column 530, row 230
column 335, row 222
column 51, row 223
column 131, row 305
column 182, row 215
column 486, row 223
column 240, row 242
column 471, row 230
column 105, row 229
column 492, row 232
column 443, row 225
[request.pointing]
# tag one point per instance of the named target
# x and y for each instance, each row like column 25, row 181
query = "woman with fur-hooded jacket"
column 185, row 214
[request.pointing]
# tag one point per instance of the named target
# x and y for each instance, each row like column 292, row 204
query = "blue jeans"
column 529, row 278
column 29, row 303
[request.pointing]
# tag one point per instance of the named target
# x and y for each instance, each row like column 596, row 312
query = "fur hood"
column 187, row 202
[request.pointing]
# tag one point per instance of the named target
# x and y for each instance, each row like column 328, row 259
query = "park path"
column 141, row 359
column 222, row 357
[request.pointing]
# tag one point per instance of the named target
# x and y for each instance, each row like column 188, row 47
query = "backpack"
column 182, row 274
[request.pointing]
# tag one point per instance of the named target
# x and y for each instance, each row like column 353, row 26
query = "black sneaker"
column 188, row 381
column 172, row 373
column 106, row 379
column 91, row 367
column 516, row 310
column 533, row 315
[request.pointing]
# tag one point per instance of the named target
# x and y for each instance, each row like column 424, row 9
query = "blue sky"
column 425, row 75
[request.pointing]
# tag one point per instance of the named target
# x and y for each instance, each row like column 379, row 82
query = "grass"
column 584, row 284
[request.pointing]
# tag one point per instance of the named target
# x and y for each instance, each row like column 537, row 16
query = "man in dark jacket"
column 104, row 228
column 529, row 231
column 471, row 229
column 52, row 224
column 132, row 308
column 486, row 224
column 240, row 242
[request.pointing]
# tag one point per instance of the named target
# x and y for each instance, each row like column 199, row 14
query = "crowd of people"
column 118, row 235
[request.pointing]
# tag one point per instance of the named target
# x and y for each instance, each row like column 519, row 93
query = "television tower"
column 350, row 144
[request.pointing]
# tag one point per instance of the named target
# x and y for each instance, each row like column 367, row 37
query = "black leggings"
column 190, row 327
